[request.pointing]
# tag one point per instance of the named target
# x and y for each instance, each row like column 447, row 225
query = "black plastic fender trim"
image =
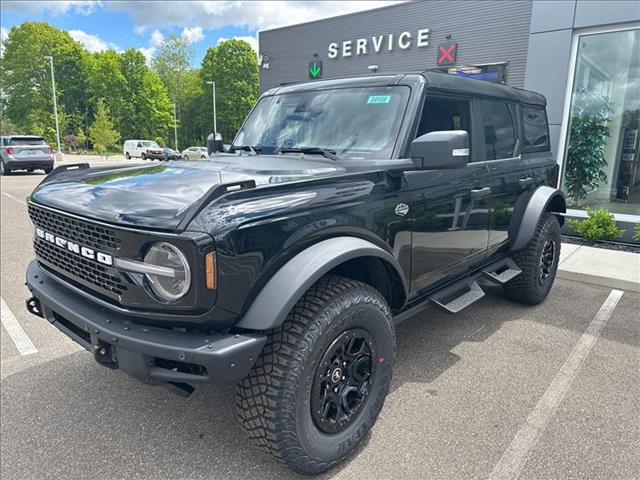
column 286, row 287
column 538, row 204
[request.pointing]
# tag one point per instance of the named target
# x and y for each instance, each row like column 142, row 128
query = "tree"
column 102, row 132
column 26, row 79
column 106, row 82
column 233, row 65
column 171, row 63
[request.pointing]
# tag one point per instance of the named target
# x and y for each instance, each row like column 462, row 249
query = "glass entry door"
column 601, row 162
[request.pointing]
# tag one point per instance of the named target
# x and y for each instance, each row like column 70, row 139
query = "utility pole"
column 175, row 126
column 213, row 87
column 55, row 102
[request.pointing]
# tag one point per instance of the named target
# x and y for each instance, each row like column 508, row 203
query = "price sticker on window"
column 379, row 99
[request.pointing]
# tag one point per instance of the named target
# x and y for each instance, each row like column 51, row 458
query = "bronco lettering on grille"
column 73, row 247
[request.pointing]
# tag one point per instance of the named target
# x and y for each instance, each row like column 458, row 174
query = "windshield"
column 150, row 145
column 352, row 122
column 26, row 141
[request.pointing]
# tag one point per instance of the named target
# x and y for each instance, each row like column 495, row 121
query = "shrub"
column 599, row 225
column 636, row 233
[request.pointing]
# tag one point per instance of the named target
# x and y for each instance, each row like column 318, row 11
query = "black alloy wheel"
column 341, row 384
column 547, row 260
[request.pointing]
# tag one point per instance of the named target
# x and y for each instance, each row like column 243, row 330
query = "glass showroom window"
column 601, row 167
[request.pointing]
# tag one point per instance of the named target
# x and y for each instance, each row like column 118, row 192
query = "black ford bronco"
column 281, row 265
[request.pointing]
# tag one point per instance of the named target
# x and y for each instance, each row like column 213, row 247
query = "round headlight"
column 166, row 286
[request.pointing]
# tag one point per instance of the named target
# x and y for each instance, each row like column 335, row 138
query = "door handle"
column 481, row 192
column 523, row 182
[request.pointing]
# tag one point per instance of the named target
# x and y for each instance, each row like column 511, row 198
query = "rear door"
column 449, row 207
column 511, row 175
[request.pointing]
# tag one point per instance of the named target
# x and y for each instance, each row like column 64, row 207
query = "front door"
column 449, row 207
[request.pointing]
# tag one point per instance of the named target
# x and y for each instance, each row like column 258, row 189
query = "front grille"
column 79, row 231
column 78, row 268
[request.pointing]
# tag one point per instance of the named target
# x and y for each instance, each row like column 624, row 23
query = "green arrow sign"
column 315, row 69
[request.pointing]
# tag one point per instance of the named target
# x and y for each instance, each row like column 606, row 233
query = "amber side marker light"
column 210, row 270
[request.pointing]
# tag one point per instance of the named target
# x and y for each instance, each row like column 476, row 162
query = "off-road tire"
column 527, row 287
column 273, row 403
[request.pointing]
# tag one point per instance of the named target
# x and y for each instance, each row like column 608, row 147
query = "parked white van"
column 137, row 148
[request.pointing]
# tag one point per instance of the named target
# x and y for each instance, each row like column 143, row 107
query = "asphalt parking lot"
column 498, row 391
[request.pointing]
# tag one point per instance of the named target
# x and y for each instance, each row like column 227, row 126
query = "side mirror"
column 214, row 143
column 444, row 149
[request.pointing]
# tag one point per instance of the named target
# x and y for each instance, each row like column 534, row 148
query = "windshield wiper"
column 253, row 150
column 312, row 151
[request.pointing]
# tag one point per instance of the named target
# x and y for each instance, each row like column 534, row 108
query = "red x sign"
column 447, row 54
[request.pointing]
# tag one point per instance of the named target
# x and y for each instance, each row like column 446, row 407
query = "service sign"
column 379, row 43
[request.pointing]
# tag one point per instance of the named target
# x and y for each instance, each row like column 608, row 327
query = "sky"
column 121, row 24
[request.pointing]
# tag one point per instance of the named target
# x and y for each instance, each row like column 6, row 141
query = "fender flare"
column 276, row 299
column 541, row 200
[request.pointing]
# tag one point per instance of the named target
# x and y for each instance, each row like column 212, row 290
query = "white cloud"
column 93, row 43
column 156, row 38
column 55, row 7
column 255, row 15
column 253, row 41
column 4, row 33
column 148, row 52
column 192, row 35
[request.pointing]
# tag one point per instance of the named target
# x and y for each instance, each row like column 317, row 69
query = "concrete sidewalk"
column 598, row 266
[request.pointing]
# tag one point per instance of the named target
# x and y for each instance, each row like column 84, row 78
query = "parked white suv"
column 141, row 148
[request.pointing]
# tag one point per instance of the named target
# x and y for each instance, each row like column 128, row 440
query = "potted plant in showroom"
column 584, row 170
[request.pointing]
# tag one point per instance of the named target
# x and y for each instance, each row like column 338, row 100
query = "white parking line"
column 13, row 197
column 17, row 334
column 514, row 458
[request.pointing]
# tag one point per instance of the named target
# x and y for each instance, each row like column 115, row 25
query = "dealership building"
column 583, row 55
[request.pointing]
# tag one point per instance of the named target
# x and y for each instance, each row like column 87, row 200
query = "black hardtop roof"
column 434, row 80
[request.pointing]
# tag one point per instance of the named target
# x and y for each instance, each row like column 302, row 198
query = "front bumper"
column 152, row 355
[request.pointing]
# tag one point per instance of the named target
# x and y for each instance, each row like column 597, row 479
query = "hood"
column 158, row 196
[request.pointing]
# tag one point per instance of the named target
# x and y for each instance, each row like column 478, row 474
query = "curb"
column 618, row 283
column 607, row 268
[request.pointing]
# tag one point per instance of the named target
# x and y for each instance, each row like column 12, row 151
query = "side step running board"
column 457, row 296
column 502, row 271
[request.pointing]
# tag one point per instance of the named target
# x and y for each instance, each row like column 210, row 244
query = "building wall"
column 552, row 28
column 486, row 32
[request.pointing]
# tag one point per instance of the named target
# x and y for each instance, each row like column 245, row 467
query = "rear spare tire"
column 322, row 378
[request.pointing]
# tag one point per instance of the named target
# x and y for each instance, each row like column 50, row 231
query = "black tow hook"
column 33, row 305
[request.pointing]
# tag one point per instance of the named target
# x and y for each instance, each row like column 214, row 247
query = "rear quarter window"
column 536, row 130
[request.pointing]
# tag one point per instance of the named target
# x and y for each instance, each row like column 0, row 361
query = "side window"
column 139, row 145
column 499, row 129
column 536, row 132
column 446, row 114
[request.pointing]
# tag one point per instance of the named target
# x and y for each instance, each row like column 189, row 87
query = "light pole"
column 213, row 88
column 55, row 102
column 175, row 126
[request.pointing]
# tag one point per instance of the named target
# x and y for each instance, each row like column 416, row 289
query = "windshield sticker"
column 379, row 99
